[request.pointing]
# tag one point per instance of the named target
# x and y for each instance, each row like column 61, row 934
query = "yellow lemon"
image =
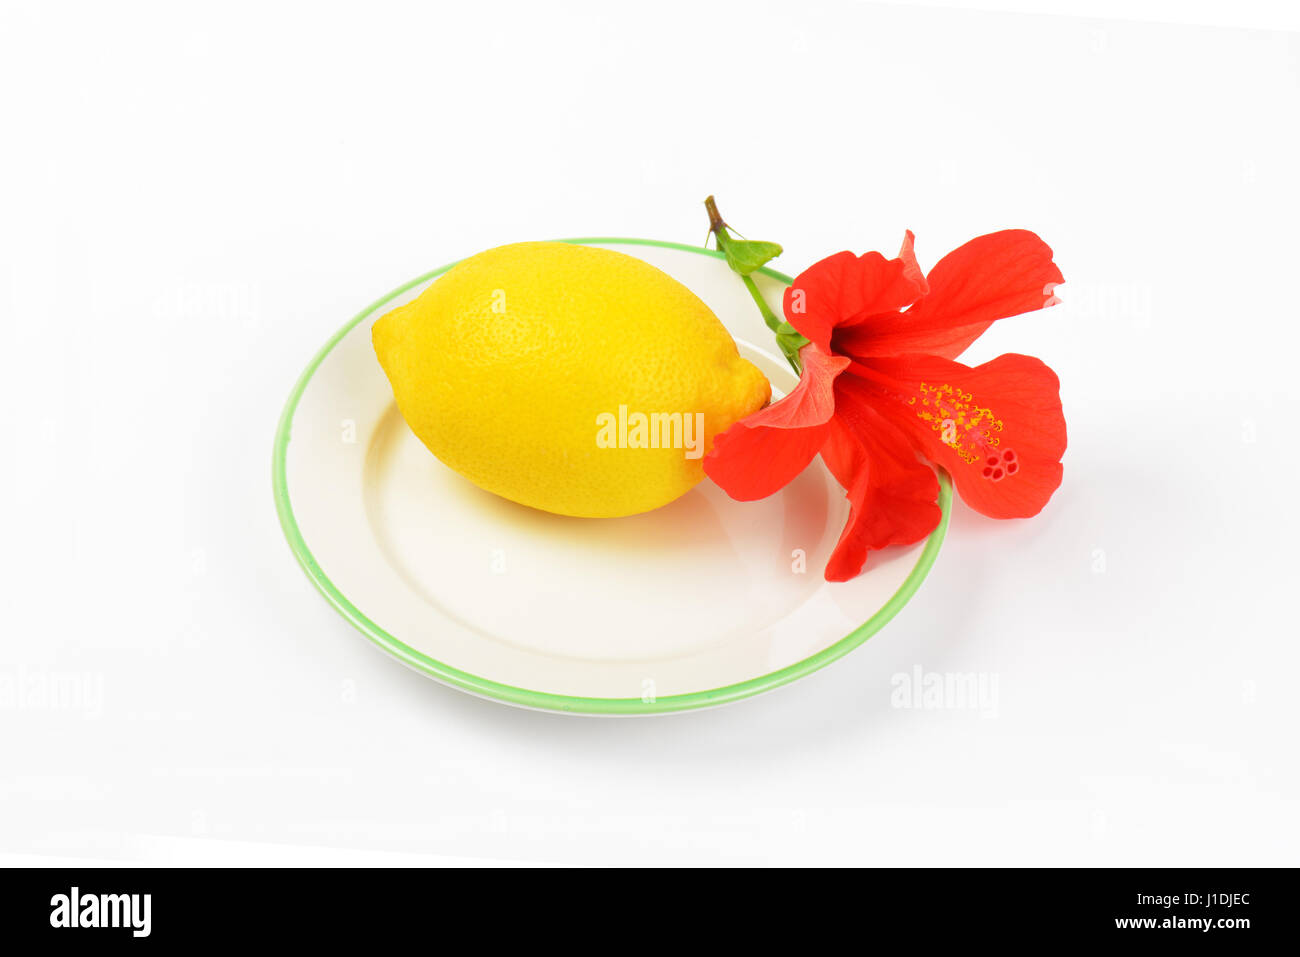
column 571, row 379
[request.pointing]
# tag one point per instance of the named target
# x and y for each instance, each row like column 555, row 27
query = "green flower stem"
column 769, row 316
column 743, row 257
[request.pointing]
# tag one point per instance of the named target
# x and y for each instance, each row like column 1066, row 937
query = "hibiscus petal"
column 761, row 453
column 991, row 277
column 845, row 289
column 997, row 428
column 892, row 494
column 911, row 268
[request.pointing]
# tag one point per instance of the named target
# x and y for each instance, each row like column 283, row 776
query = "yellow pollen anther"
column 969, row 425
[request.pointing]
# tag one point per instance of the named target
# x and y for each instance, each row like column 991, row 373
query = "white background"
column 191, row 203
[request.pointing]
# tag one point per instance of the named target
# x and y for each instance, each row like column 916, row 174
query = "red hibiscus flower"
column 880, row 395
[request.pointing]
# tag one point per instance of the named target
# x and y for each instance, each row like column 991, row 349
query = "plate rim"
column 544, row 700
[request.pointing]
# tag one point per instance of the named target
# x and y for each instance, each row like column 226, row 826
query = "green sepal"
column 746, row 255
column 790, row 342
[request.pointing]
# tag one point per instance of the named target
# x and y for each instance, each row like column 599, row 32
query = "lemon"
column 567, row 378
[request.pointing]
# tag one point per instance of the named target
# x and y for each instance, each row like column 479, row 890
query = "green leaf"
column 746, row 255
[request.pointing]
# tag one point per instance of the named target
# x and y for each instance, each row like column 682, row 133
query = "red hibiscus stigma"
column 882, row 400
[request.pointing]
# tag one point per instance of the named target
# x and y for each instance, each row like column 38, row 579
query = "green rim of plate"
column 525, row 697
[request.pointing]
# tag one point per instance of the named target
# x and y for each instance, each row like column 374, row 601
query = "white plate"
column 699, row 603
